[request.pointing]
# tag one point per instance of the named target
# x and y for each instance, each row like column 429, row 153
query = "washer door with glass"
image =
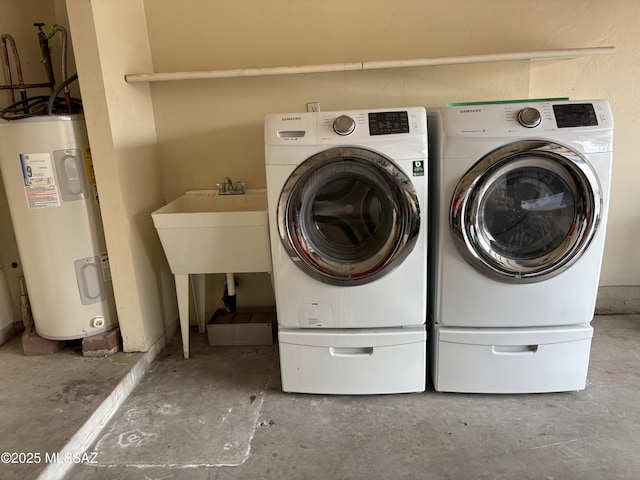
column 347, row 216
column 526, row 211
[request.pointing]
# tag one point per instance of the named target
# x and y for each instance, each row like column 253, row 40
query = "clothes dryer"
column 347, row 195
column 520, row 199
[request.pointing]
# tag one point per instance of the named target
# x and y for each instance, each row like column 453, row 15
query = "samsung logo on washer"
column 471, row 110
column 285, row 119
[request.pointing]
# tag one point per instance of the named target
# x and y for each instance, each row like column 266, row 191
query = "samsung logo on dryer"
column 285, row 119
column 471, row 110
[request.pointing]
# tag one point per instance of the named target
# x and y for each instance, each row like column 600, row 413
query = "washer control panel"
column 385, row 123
column 366, row 125
column 380, row 123
column 389, row 126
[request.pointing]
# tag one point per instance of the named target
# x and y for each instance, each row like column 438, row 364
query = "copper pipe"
column 26, row 85
column 21, row 86
column 7, row 65
column 7, row 68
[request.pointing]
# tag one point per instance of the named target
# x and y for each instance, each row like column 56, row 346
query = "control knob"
column 344, row 125
column 529, row 117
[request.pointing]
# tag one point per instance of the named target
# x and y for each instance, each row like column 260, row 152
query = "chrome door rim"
column 466, row 217
column 336, row 269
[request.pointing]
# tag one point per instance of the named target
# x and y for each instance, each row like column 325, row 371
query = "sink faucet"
column 227, row 188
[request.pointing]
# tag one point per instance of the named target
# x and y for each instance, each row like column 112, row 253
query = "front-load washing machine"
column 520, row 193
column 347, row 194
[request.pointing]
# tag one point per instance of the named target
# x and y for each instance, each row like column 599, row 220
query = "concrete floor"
column 46, row 399
column 222, row 415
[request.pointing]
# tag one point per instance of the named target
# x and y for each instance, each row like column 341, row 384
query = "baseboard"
column 6, row 333
column 618, row 300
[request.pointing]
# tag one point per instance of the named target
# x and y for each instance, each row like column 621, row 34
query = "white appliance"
column 520, row 198
column 347, row 194
column 48, row 176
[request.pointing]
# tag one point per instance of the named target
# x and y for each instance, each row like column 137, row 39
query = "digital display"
column 575, row 115
column 385, row 123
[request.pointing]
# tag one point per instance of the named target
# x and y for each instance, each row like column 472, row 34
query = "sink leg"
column 182, row 291
column 197, row 284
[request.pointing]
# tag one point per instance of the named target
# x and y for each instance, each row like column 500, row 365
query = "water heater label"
column 39, row 180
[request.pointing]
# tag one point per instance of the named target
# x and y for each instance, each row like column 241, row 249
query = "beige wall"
column 211, row 128
column 207, row 129
column 616, row 79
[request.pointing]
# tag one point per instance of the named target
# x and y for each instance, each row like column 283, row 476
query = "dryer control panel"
column 526, row 118
column 567, row 115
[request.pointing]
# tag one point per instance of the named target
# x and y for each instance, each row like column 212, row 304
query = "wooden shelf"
column 373, row 65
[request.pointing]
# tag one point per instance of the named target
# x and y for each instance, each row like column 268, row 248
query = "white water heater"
column 48, row 176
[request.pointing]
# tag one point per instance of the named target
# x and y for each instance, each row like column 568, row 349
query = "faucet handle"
column 240, row 187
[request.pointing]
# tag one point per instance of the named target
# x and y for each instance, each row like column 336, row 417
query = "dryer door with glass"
column 347, row 216
column 526, row 211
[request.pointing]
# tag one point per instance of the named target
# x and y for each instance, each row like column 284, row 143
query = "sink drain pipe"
column 229, row 296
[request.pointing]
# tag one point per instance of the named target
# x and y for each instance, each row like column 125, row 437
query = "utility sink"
column 206, row 232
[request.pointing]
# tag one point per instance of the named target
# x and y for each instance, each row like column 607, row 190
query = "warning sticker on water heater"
column 106, row 268
column 39, row 180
